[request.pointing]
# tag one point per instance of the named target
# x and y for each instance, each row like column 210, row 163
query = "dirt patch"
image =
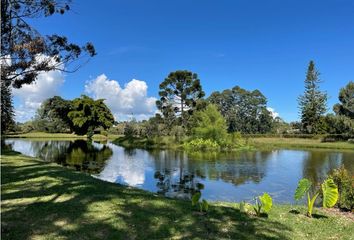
column 338, row 212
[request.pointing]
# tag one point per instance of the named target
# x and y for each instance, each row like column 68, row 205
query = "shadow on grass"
column 48, row 201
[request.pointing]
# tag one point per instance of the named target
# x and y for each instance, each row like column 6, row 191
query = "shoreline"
column 45, row 200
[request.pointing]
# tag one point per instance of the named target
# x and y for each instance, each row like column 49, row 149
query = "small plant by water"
column 328, row 190
column 263, row 205
column 203, row 205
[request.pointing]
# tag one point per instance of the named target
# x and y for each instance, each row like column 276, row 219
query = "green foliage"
column 313, row 102
column 329, row 193
column 339, row 124
column 201, row 144
column 25, row 53
column 130, row 129
column 88, row 114
column 346, row 97
column 179, row 95
column 52, row 116
column 7, row 111
column 303, row 187
column 345, row 183
column 244, row 111
column 210, row 124
column 263, row 204
column 203, row 205
column 266, row 201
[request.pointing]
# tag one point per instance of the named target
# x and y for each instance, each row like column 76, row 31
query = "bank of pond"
column 220, row 176
column 41, row 200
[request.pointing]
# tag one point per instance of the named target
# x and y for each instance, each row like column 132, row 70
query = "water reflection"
column 79, row 154
column 222, row 177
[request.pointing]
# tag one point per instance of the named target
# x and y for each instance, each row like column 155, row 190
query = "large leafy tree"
column 210, row 124
column 179, row 95
column 245, row 111
column 88, row 114
column 313, row 102
column 25, row 52
column 53, row 115
column 346, row 98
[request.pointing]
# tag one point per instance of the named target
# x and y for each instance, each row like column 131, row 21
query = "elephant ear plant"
column 263, row 203
column 328, row 189
column 203, row 205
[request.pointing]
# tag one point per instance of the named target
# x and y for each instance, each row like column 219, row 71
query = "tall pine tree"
column 313, row 103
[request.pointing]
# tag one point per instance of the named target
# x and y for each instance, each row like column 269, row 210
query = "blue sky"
column 263, row 45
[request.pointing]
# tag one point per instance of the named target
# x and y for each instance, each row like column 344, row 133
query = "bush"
column 201, row 144
column 104, row 133
column 345, row 183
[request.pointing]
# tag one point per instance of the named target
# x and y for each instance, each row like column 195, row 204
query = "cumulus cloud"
column 31, row 96
column 273, row 112
column 124, row 102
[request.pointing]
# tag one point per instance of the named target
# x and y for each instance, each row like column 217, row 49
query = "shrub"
column 328, row 189
column 201, row 144
column 345, row 184
column 104, row 133
column 203, row 205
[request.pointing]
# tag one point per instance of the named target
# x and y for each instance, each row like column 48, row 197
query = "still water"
column 220, row 177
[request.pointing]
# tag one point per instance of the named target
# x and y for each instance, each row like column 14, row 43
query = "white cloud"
column 273, row 112
column 124, row 102
column 32, row 95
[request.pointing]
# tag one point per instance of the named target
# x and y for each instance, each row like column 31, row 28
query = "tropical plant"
column 203, row 205
column 329, row 192
column 263, row 204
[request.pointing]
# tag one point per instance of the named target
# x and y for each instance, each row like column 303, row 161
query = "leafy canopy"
column 88, row 114
column 179, row 95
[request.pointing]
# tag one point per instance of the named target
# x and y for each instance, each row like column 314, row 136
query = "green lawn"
column 268, row 142
column 47, row 201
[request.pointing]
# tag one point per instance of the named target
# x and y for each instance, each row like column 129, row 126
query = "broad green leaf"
column 303, row 187
column 330, row 193
column 195, row 198
column 266, row 201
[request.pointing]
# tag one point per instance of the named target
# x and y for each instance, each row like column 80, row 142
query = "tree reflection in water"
column 79, row 154
column 179, row 174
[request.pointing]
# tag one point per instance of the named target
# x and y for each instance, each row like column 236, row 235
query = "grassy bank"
column 60, row 136
column 46, row 201
column 267, row 142
column 257, row 143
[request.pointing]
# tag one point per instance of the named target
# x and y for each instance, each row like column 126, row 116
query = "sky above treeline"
column 263, row 45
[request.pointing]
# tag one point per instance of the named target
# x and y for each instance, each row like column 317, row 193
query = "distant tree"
column 346, row 97
column 88, row 114
column 179, row 94
column 210, row 124
column 313, row 102
column 25, row 53
column 53, row 115
column 338, row 124
column 245, row 111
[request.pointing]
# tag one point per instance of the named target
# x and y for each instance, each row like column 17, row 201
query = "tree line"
column 25, row 53
column 184, row 111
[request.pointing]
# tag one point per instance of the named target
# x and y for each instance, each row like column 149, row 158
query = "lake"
column 219, row 176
